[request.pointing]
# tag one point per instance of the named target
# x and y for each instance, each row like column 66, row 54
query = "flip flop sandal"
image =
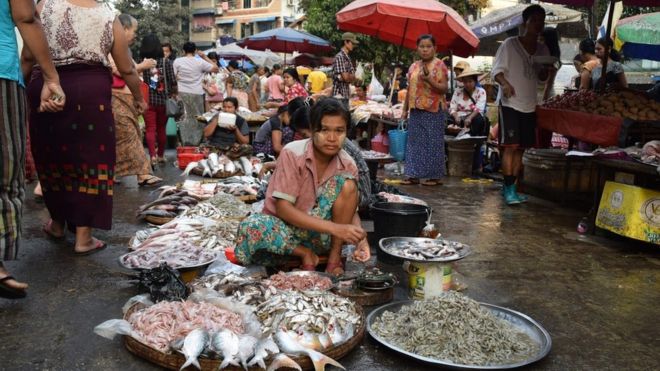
column 431, row 183
column 409, row 182
column 47, row 229
column 150, row 181
column 98, row 247
column 9, row 292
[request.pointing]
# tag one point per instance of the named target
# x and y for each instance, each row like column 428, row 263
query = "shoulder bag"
column 173, row 106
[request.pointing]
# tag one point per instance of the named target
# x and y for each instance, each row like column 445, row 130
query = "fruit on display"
column 622, row 104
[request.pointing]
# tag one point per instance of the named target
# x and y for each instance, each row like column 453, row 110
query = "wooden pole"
column 608, row 31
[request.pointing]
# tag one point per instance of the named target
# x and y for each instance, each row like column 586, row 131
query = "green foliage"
column 321, row 21
column 163, row 18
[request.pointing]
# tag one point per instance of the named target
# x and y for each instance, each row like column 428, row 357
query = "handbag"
column 117, row 82
column 173, row 107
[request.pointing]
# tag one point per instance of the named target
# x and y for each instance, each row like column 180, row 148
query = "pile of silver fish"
column 243, row 289
column 170, row 202
column 316, row 319
column 456, row 328
column 429, row 249
column 303, row 281
column 231, row 206
column 174, row 249
column 222, row 166
column 211, row 235
column 162, row 323
column 241, row 185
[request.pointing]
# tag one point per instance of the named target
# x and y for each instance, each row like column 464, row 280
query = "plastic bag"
column 359, row 72
column 111, row 328
column 375, row 88
column 163, row 283
column 137, row 299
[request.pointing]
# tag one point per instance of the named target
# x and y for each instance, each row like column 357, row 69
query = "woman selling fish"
column 311, row 199
column 277, row 132
column 235, row 138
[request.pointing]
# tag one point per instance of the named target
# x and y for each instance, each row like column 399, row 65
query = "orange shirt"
column 420, row 94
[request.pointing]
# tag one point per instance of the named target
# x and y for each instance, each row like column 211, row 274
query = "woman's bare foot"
column 310, row 259
column 54, row 229
column 89, row 247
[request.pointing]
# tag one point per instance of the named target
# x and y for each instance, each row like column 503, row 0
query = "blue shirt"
column 10, row 67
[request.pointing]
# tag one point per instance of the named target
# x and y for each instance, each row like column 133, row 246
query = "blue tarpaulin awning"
column 203, row 11
column 263, row 19
column 225, row 21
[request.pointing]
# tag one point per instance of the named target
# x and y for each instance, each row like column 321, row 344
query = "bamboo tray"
column 157, row 220
column 218, row 175
column 174, row 361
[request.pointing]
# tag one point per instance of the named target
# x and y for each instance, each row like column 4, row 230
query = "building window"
column 261, row 3
column 247, row 4
column 265, row 26
column 227, row 29
column 247, row 29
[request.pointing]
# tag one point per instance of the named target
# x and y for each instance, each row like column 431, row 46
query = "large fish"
column 261, row 351
column 282, row 360
column 246, row 345
column 161, row 201
column 193, row 346
column 207, row 169
column 225, row 343
column 288, row 344
column 189, row 168
column 213, row 162
column 247, row 166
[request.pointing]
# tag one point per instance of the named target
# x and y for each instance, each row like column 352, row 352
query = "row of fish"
column 425, row 249
column 176, row 250
column 241, row 185
column 222, row 166
column 242, row 289
column 169, row 204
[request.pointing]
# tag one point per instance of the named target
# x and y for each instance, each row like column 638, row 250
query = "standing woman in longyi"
column 425, row 148
column 74, row 149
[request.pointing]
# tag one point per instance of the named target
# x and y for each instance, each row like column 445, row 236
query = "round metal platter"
column 518, row 320
column 391, row 245
column 177, row 268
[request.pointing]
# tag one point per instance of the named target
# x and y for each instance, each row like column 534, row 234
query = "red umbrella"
column 402, row 22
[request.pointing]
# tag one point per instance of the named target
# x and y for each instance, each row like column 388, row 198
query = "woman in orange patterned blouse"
column 424, row 106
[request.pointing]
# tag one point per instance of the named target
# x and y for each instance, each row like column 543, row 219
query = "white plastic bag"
column 359, row 72
column 375, row 88
column 110, row 328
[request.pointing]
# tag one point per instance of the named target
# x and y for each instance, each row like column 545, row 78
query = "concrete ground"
column 597, row 296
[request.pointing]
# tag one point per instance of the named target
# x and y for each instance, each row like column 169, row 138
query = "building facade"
column 216, row 20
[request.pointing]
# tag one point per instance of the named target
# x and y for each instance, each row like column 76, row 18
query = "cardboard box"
column 630, row 211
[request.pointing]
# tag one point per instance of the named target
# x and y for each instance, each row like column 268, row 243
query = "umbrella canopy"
column 233, row 51
column 640, row 35
column 402, row 22
column 589, row 3
column 502, row 20
column 286, row 40
column 306, row 59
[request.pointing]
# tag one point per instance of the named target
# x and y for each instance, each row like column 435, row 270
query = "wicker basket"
column 173, row 361
column 218, row 175
column 157, row 220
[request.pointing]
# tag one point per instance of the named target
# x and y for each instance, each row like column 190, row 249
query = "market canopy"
column 589, row 3
column 233, row 51
column 502, row 20
column 286, row 40
column 640, row 36
column 401, row 23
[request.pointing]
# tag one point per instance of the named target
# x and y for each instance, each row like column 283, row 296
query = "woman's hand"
column 349, row 233
column 52, row 97
column 362, row 251
column 140, row 105
column 268, row 166
column 508, row 90
column 467, row 121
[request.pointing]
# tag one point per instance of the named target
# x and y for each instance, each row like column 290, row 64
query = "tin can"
column 426, row 280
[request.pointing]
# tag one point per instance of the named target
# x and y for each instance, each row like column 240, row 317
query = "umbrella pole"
column 398, row 58
column 608, row 31
column 451, row 72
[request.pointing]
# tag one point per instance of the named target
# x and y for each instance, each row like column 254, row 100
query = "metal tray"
column 519, row 320
column 388, row 246
column 201, row 265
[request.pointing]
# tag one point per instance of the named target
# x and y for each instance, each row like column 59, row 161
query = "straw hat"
column 468, row 73
column 462, row 65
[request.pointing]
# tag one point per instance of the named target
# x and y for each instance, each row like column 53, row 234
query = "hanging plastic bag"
column 163, row 283
column 398, row 138
column 375, row 88
column 359, row 72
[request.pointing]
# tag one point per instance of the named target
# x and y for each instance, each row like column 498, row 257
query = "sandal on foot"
column 9, row 292
column 47, row 228
column 409, row 181
column 431, row 183
column 150, row 181
column 98, row 246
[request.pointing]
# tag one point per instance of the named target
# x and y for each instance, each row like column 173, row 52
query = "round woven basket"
column 218, row 175
column 157, row 220
column 174, row 361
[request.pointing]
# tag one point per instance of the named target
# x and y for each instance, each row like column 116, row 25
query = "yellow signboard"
column 630, row 211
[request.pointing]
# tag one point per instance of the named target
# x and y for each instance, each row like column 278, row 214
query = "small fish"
column 289, row 345
column 189, row 168
column 193, row 345
column 261, row 351
column 282, row 360
column 225, row 343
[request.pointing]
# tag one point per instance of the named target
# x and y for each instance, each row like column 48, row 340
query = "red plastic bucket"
column 185, row 158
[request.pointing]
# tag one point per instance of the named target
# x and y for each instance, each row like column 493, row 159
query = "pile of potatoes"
column 622, row 104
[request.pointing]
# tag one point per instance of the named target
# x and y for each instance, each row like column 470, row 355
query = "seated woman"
column 235, row 139
column 294, row 88
column 276, row 132
column 469, row 104
column 311, row 199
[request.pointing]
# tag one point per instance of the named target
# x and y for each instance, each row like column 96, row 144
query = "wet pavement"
column 596, row 295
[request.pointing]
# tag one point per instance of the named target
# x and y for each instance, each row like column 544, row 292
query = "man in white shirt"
column 518, row 76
